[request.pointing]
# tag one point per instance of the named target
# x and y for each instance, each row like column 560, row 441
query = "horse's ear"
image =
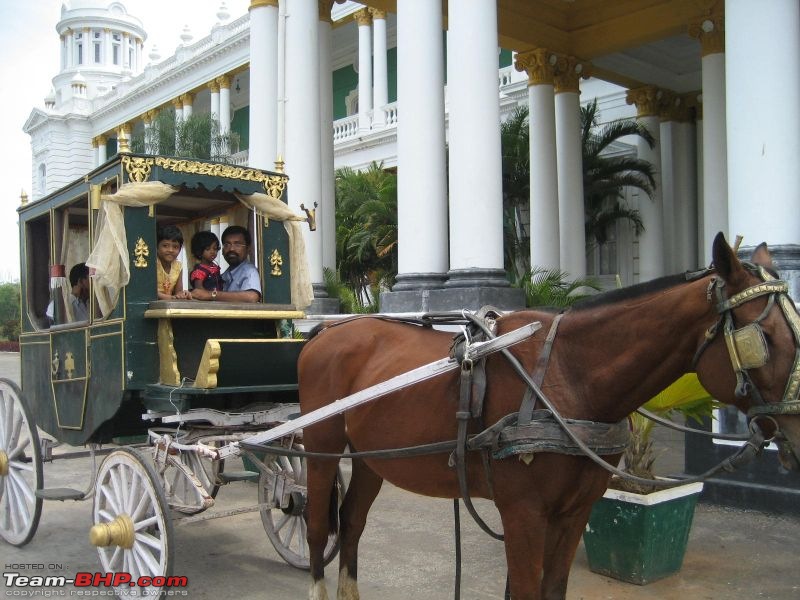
column 725, row 261
column 761, row 256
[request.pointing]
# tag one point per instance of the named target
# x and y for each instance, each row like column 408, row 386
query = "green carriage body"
column 92, row 381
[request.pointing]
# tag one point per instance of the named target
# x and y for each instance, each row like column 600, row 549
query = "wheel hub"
column 118, row 532
column 3, row 463
column 297, row 504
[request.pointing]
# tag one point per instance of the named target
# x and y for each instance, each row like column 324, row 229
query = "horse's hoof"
column 348, row 587
column 317, row 591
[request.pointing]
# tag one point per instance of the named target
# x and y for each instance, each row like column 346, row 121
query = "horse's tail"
column 333, row 507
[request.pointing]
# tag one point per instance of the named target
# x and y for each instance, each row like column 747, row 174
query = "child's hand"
column 183, row 295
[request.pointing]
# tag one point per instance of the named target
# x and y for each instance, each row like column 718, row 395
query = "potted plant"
column 639, row 533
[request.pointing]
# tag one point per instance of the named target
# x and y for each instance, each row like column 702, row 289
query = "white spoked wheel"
column 133, row 528
column 282, row 492
column 20, row 468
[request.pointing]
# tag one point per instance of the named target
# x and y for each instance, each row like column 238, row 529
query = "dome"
column 78, row 79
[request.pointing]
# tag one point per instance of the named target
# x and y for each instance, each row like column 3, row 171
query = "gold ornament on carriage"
column 138, row 168
column 141, row 251
column 276, row 262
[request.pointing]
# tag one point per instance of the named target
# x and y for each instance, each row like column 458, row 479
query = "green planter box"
column 640, row 538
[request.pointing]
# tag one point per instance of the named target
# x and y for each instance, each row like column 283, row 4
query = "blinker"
column 751, row 347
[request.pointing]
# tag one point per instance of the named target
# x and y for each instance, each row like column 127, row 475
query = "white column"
column 380, row 69
column 572, row 239
column 187, row 100
column 544, row 228
column 421, row 183
column 177, row 104
column 126, row 44
column 102, row 151
column 651, row 241
column 69, row 40
column 667, row 129
column 326, row 212
column 762, row 53
column 685, row 186
column 714, row 137
column 107, row 48
column 302, row 120
column 224, row 82
column 263, row 84
column 703, row 252
column 364, row 69
column 476, row 203
column 213, row 90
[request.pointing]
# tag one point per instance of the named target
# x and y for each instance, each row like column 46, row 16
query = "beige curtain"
column 62, row 283
column 274, row 209
column 109, row 258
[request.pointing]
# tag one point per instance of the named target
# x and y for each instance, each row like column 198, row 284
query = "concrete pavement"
column 407, row 551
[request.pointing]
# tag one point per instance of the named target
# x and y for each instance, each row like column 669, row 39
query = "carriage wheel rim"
column 21, row 468
column 285, row 529
column 127, row 488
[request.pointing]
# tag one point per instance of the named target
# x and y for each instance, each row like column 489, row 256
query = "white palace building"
column 422, row 86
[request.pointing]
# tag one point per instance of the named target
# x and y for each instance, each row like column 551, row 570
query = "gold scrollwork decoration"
column 141, row 251
column 276, row 262
column 138, row 167
column 271, row 182
column 274, row 185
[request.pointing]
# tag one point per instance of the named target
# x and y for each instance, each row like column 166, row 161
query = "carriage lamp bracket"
column 311, row 216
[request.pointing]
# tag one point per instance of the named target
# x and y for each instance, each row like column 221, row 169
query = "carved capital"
column 646, row 99
column 213, row 86
column 187, row 99
column 261, row 3
column 325, row 7
column 101, row 140
column 377, row 13
column 362, row 17
column 177, row 103
column 711, row 33
column 224, row 82
column 539, row 64
column 568, row 73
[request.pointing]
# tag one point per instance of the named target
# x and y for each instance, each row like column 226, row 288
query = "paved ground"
column 407, row 551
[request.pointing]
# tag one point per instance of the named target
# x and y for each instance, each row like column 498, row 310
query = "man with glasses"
column 240, row 282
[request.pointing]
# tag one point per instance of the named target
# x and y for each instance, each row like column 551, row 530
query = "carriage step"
column 229, row 476
column 60, row 494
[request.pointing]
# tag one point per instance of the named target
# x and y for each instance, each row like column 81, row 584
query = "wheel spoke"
column 282, row 522
column 145, row 523
column 148, row 539
column 147, row 559
column 107, row 493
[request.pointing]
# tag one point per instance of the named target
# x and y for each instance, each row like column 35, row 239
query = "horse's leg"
column 361, row 493
column 563, row 535
column 524, row 530
column 321, row 500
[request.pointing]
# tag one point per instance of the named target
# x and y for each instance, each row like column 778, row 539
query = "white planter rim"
column 658, row 497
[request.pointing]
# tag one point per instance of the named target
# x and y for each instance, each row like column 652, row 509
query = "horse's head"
column 751, row 357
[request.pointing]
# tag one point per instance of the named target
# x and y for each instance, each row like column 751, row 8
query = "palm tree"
column 605, row 178
column 515, row 145
column 366, row 230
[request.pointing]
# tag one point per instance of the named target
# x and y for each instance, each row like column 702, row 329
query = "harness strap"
column 528, row 401
column 762, row 289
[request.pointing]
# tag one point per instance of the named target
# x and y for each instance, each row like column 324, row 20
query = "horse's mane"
column 627, row 293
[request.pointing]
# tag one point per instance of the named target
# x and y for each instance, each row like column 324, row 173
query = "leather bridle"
column 747, row 347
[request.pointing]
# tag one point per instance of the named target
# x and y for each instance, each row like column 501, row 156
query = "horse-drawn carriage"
column 474, row 417
column 161, row 382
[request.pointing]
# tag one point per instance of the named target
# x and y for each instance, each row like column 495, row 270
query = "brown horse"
column 609, row 357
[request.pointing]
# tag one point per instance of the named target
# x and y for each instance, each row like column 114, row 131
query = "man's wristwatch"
column 213, row 294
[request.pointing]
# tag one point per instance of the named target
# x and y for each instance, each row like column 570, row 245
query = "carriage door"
column 69, row 335
column 69, row 368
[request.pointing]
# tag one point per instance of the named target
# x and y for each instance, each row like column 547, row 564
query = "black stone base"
column 470, row 298
column 754, row 496
column 409, row 282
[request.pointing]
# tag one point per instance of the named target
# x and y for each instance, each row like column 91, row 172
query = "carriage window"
column 37, row 268
column 70, row 289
